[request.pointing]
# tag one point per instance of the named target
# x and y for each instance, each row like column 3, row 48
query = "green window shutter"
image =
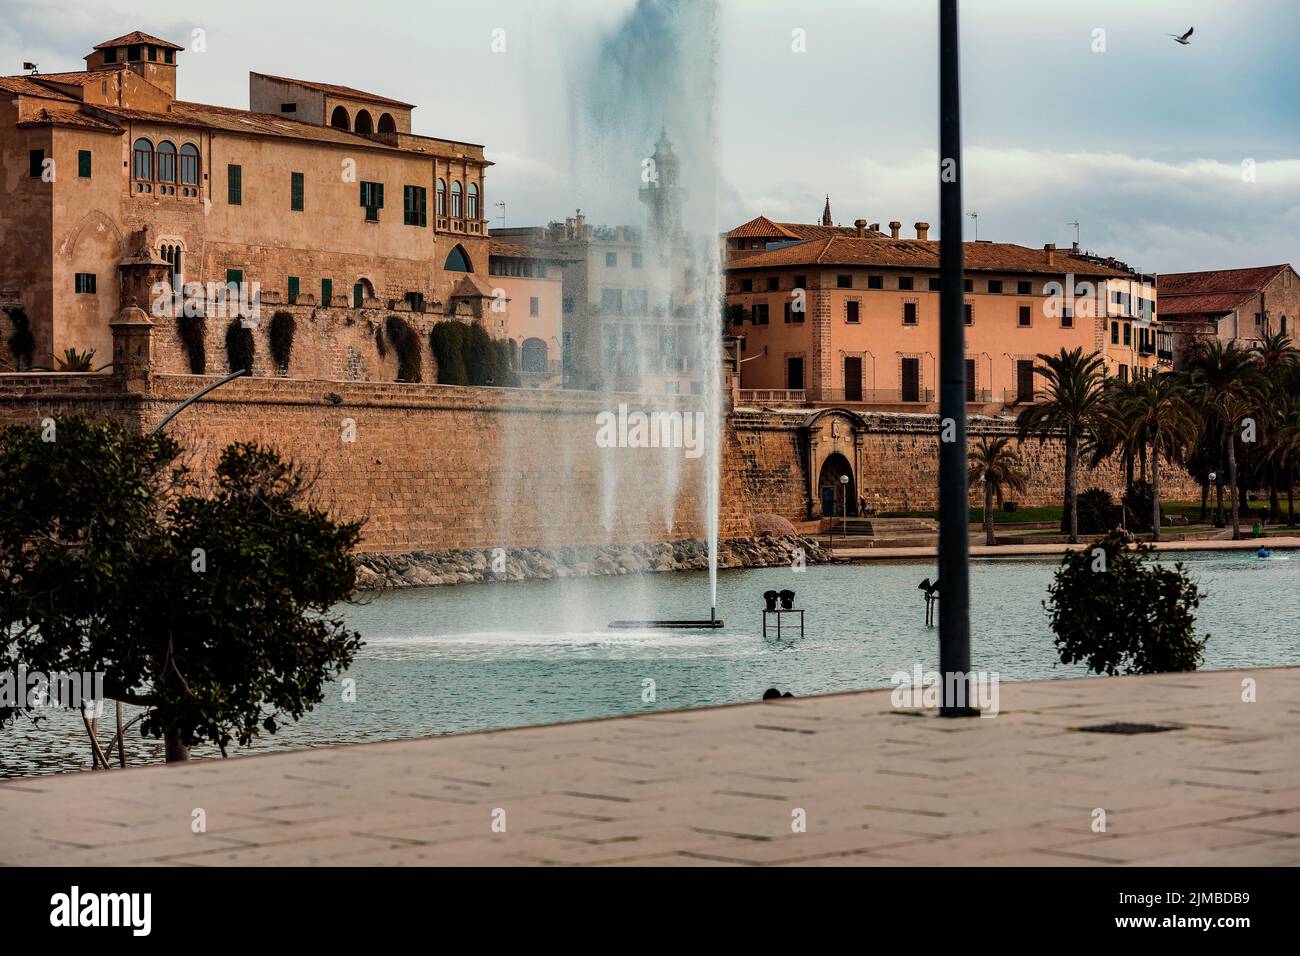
column 234, row 184
column 379, row 199
column 424, row 210
column 235, row 277
column 83, row 163
column 326, row 291
column 296, row 191
column 365, row 194
column 293, row 286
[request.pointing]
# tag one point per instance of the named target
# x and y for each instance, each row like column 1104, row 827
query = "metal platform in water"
column 639, row 625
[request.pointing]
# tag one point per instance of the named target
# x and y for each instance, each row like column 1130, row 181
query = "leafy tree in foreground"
column 209, row 610
column 1119, row 610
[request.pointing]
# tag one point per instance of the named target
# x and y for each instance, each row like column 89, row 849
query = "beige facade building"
column 318, row 195
column 828, row 314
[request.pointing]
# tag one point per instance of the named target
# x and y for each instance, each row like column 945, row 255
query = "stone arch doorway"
column 361, row 291
column 833, row 440
column 836, row 490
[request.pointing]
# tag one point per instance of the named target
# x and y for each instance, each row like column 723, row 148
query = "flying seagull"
column 1185, row 39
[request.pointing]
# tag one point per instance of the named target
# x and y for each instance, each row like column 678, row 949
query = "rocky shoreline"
column 467, row 566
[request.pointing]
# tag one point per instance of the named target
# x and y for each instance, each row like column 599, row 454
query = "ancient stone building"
column 1230, row 305
column 318, row 200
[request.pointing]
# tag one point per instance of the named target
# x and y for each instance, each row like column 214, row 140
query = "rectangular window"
column 288, row 107
column 760, row 313
column 534, row 305
column 1123, row 373
column 853, row 311
column 995, row 286
column 1024, row 288
column 853, row 378
column 844, row 282
column 611, row 300
column 415, row 300
column 935, row 283
column 1025, row 380
column 293, row 288
column 905, row 283
column 1067, row 317
column 415, row 209
column 83, row 163
column 169, row 56
column 968, row 312
column 1025, row 316
column 970, row 380
column 910, row 378
column 875, row 282
column 794, row 372
column 110, row 55
column 84, row 282
column 792, row 315
column 1128, row 334
column 568, row 307
column 234, row 184
column 636, row 260
column 611, row 259
column 35, row 163
column 326, row 292
column 773, row 283
column 372, row 198
column 295, row 192
column 235, row 277
column 746, row 285
column 801, row 282
column 133, row 52
column 153, row 53
column 909, row 313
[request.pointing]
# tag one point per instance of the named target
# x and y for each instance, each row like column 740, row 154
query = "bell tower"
column 660, row 189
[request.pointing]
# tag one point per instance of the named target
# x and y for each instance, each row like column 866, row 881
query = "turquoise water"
column 475, row 657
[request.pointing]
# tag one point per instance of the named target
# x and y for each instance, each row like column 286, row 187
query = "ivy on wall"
column 468, row 355
column 192, row 330
column 410, row 366
column 240, row 347
column 21, row 343
column 281, row 332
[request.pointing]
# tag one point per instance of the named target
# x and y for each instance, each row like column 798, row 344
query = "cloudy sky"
column 1170, row 157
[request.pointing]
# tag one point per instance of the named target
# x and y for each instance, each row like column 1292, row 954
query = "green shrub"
column 1138, row 503
column 281, row 333
column 410, row 366
column 240, row 347
column 1098, row 513
column 468, row 355
column 192, row 330
column 447, row 340
column 1119, row 610
column 22, row 344
column 380, row 345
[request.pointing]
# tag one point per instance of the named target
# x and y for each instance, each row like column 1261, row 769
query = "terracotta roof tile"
column 1173, row 304
column 76, row 77
column 27, row 86
column 916, row 254
column 337, row 90
column 135, row 37
column 1219, row 280
column 68, row 116
column 763, row 228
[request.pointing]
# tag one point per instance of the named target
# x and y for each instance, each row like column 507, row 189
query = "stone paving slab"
column 729, row 786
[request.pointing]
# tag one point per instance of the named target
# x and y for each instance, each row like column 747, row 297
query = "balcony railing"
column 877, row 396
column 772, row 396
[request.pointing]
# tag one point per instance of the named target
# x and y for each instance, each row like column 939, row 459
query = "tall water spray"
column 643, row 111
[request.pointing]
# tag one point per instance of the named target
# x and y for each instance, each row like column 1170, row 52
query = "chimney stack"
column 922, row 231
column 1049, row 251
column 894, row 228
column 861, row 225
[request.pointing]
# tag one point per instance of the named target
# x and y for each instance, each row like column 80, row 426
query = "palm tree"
column 1164, row 417
column 1277, row 363
column 1071, row 403
column 1230, row 387
column 998, row 465
column 1114, row 431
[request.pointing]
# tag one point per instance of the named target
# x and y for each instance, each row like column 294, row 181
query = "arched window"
column 534, row 355
column 361, row 291
column 456, row 212
column 142, row 167
column 166, row 163
column 189, row 165
column 387, row 124
column 339, row 119
column 473, row 201
column 442, row 197
column 364, row 124
column 457, row 261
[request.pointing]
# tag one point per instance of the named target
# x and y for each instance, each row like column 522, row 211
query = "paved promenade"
column 726, row 786
column 886, row 553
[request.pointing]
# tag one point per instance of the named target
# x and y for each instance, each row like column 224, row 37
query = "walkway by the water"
column 1023, row 550
column 834, row 780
